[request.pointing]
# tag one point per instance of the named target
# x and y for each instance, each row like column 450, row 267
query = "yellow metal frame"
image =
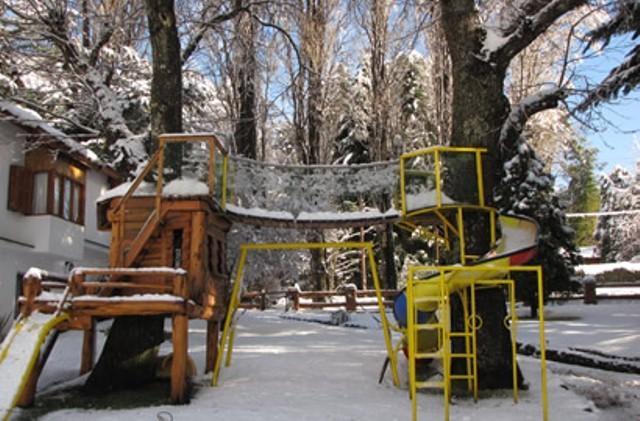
column 436, row 152
column 445, row 288
column 229, row 329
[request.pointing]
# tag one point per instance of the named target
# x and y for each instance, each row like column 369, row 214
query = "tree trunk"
column 129, row 355
column 166, row 83
column 245, row 135
column 128, row 358
column 479, row 108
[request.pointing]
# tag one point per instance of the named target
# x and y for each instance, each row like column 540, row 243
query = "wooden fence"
column 353, row 298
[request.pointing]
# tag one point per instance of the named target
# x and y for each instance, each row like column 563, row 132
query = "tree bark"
column 246, row 137
column 479, row 108
column 166, row 83
column 129, row 355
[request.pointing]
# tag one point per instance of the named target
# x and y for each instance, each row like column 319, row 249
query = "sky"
column 618, row 140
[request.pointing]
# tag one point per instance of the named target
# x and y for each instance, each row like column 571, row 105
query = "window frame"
column 54, row 177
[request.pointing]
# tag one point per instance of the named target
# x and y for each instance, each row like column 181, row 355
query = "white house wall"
column 43, row 241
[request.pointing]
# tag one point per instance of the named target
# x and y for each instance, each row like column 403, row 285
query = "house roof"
column 31, row 120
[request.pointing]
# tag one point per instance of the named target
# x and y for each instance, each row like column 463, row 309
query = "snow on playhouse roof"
column 180, row 187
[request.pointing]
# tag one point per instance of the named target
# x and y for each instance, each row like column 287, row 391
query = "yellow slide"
column 19, row 353
column 516, row 246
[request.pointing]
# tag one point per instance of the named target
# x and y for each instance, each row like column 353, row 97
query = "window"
column 221, row 265
column 40, row 188
column 46, row 192
column 67, row 199
column 177, row 248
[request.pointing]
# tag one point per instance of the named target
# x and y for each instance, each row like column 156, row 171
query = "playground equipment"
column 168, row 251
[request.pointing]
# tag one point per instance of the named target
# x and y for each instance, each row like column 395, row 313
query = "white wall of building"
column 43, row 241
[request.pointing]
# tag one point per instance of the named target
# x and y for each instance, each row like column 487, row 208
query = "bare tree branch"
column 530, row 27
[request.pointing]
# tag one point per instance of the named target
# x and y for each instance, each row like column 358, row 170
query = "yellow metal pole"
column 411, row 344
column 463, row 257
column 230, row 313
column 403, row 195
column 232, row 337
column 543, row 348
column 383, row 315
column 225, row 167
column 436, row 157
column 514, row 355
column 446, row 309
column 480, row 178
column 474, row 341
column 464, row 296
column 212, row 167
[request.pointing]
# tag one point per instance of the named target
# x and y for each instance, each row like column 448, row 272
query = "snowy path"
column 610, row 327
column 290, row 370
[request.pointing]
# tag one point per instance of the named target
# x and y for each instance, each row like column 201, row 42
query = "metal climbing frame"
column 464, row 281
column 228, row 332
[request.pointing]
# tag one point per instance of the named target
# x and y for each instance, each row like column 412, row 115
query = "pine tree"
column 582, row 193
column 526, row 189
column 619, row 235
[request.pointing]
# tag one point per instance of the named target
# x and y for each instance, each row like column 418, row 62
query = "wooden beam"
column 88, row 348
column 180, row 339
column 213, row 332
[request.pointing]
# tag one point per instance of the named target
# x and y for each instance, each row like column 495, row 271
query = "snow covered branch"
column 520, row 114
column 534, row 17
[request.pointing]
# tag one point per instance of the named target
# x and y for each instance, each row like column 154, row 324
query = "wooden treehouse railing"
column 126, row 256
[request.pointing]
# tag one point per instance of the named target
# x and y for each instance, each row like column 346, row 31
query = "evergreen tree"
column 527, row 189
column 582, row 193
column 619, row 235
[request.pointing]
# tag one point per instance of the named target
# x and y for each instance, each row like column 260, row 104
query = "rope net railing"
column 308, row 190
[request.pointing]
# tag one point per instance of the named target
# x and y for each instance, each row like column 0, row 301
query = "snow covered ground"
column 286, row 369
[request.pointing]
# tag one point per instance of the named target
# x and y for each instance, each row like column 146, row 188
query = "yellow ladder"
column 442, row 329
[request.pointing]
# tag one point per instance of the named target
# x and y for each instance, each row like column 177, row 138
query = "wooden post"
column 180, row 337
column 88, row 348
column 77, row 279
column 213, row 331
column 350, row 298
column 31, row 288
column 263, row 300
column 294, row 296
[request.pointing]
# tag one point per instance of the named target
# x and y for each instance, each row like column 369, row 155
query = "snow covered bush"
column 619, row 235
column 527, row 189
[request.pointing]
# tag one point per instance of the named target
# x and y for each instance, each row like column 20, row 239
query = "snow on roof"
column 179, row 187
column 29, row 118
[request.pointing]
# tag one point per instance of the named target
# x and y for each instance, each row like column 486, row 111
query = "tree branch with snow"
column 533, row 18
column 514, row 125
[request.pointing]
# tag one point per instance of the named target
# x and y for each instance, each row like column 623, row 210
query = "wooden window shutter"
column 20, row 189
